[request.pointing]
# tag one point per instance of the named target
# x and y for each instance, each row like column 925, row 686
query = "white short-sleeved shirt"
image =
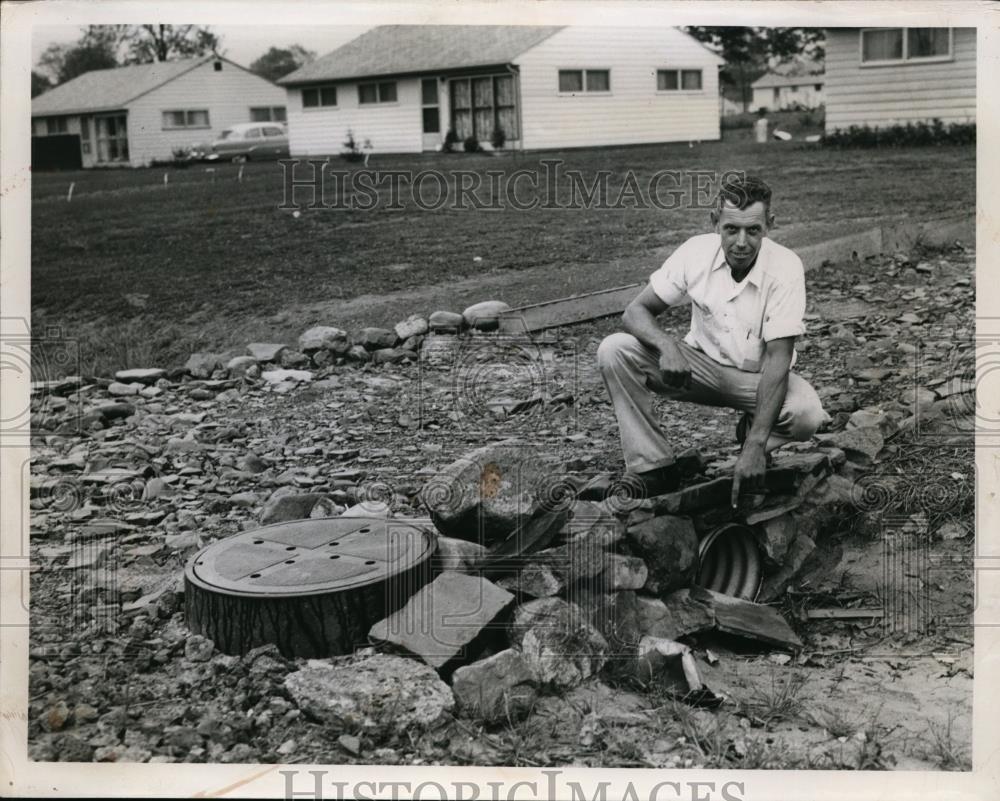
column 730, row 322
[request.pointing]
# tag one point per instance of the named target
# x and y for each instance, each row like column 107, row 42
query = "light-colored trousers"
column 632, row 375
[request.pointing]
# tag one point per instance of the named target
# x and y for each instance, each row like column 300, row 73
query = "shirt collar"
column 756, row 274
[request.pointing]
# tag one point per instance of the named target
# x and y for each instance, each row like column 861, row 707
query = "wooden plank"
column 566, row 311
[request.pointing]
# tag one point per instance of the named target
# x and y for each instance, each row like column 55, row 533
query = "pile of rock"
column 536, row 591
column 323, row 346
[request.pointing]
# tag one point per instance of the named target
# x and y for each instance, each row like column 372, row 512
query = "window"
column 273, row 130
column 678, row 80
column 85, row 135
column 56, row 125
column 252, row 133
column 185, row 119
column 598, row 81
column 927, row 42
column 268, row 114
column 573, row 81
column 667, row 80
column 483, row 104
column 384, row 92
column 893, row 45
column 318, row 96
column 691, row 80
column 431, row 111
column 570, row 80
column 218, row 66
column 793, row 89
column 818, row 87
column 112, row 138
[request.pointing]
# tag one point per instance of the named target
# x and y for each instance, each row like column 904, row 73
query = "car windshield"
column 226, row 133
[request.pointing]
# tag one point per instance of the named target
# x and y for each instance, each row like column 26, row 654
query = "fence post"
column 69, row 194
column 166, row 178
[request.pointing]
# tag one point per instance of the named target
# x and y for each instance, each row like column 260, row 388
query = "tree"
column 280, row 61
column 39, row 83
column 748, row 52
column 146, row 43
column 105, row 46
column 65, row 62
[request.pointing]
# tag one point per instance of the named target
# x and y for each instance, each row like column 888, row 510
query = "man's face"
column 742, row 232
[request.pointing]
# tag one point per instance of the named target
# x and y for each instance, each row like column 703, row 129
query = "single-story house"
column 130, row 116
column 400, row 88
column 884, row 76
column 792, row 86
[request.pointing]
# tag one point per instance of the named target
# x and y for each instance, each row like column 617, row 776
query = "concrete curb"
column 892, row 238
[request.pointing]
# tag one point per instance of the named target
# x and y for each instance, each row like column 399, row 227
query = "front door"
column 112, row 138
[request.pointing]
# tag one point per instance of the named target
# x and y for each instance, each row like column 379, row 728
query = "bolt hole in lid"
column 730, row 563
column 311, row 556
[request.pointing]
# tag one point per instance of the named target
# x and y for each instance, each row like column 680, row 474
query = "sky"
column 240, row 43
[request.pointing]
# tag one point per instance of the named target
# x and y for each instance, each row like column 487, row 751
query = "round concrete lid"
column 309, row 557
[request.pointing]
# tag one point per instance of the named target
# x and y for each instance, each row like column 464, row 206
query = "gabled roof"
column 111, row 89
column 793, row 73
column 409, row 49
column 769, row 80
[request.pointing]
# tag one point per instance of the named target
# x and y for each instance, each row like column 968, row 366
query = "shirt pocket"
column 753, row 352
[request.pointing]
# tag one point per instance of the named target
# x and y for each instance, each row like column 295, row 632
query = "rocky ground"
column 130, row 477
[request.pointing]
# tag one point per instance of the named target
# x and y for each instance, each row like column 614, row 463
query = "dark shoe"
column 634, row 485
column 656, row 482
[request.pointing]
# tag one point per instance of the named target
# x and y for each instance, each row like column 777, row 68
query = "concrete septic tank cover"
column 312, row 587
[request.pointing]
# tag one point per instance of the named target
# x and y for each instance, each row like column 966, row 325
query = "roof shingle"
column 105, row 90
column 407, row 49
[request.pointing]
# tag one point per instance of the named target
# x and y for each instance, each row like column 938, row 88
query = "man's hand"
column 674, row 369
column 749, row 471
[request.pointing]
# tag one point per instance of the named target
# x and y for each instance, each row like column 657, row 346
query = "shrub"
column 450, row 140
column 351, row 151
column 498, row 139
column 919, row 133
column 731, row 122
column 471, row 144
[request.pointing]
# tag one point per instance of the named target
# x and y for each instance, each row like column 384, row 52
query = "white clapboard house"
column 400, row 88
column 798, row 85
column 131, row 116
column 886, row 76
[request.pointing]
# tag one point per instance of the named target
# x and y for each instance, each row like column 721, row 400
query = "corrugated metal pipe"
column 729, row 561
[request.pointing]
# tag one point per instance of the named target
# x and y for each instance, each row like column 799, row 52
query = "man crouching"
column 747, row 296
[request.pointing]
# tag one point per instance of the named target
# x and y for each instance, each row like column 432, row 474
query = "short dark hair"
column 742, row 191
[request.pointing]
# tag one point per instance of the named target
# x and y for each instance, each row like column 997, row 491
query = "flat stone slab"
column 443, row 617
column 143, row 375
column 278, row 376
column 266, row 351
column 749, row 620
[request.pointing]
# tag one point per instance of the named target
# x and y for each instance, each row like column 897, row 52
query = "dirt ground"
column 115, row 683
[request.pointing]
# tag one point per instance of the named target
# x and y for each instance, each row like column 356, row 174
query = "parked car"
column 246, row 141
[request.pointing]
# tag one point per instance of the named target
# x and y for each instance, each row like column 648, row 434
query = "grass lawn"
column 214, row 255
